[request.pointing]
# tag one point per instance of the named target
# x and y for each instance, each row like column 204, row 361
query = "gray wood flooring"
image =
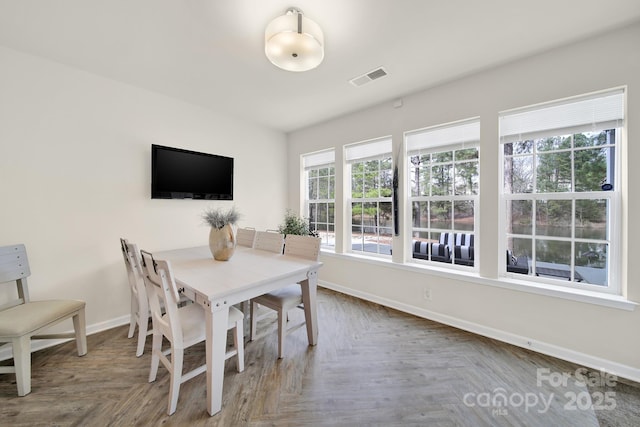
column 373, row 366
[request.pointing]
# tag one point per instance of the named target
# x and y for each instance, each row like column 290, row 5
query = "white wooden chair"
column 287, row 298
column 140, row 313
column 272, row 241
column 246, row 237
column 22, row 319
column 139, row 301
column 269, row 241
column 183, row 327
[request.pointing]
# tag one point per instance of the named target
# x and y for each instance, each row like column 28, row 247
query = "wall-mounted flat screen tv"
column 184, row 174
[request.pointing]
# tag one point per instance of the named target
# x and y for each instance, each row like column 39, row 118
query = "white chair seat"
column 289, row 296
column 27, row 318
column 192, row 320
column 192, row 324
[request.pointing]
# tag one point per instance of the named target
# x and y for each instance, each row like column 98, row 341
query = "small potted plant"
column 222, row 237
column 295, row 224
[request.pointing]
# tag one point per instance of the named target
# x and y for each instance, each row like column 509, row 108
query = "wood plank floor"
column 373, row 366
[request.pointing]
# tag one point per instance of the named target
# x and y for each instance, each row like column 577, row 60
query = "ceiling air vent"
column 368, row 77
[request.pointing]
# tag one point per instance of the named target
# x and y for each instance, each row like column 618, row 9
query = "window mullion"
column 572, row 266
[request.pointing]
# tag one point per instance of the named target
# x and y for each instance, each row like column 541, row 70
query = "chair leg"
column 176, row 377
column 80, row 328
column 134, row 316
column 238, row 341
column 156, row 351
column 253, row 312
column 143, row 327
column 22, row 363
column 282, row 329
column 245, row 307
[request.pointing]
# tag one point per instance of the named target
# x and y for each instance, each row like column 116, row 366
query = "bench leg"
column 79, row 325
column 22, row 363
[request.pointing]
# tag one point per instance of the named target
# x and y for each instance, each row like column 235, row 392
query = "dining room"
column 87, row 91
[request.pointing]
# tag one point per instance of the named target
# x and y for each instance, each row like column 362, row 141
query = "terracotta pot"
column 222, row 242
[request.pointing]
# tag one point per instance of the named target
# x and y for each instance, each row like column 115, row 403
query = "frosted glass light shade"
column 293, row 42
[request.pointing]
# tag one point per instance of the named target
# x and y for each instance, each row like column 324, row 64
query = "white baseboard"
column 6, row 353
column 587, row 360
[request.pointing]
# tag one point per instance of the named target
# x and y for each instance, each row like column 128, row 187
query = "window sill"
column 579, row 295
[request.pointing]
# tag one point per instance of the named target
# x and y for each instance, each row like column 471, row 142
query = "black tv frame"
column 190, row 174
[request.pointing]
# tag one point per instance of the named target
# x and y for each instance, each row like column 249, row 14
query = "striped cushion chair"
column 441, row 251
column 420, row 249
column 463, row 249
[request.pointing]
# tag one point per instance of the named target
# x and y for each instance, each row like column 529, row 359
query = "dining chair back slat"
column 269, row 241
column 307, row 247
column 246, row 237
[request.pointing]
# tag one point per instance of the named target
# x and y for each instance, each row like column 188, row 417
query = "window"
column 443, row 169
column 320, row 179
column 370, row 169
column 560, row 190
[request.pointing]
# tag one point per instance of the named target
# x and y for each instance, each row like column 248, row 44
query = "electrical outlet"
column 427, row 294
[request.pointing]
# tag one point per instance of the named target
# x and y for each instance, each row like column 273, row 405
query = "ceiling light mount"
column 294, row 42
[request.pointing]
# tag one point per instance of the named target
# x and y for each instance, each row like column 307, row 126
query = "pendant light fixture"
column 294, row 42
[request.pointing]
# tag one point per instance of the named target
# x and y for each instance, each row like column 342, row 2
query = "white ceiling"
column 211, row 53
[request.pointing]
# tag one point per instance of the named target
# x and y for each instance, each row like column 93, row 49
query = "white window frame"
column 324, row 159
column 374, row 149
column 559, row 118
column 453, row 137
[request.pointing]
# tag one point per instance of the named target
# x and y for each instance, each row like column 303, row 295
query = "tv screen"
column 184, row 174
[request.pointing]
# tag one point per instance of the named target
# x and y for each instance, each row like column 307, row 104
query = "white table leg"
column 216, row 330
column 309, row 292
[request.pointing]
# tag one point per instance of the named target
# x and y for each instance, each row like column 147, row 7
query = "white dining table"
column 217, row 285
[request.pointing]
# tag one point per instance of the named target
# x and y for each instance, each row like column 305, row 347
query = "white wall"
column 595, row 335
column 75, row 174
